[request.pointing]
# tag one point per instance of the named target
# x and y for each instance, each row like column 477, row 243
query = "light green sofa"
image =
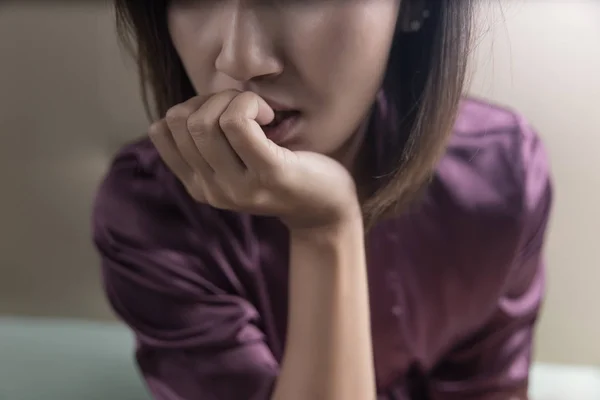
column 46, row 359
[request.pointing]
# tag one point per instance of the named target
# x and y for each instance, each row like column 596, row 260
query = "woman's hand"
column 217, row 149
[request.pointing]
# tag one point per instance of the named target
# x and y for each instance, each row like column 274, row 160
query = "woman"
column 316, row 214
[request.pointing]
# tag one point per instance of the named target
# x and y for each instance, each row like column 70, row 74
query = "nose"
column 247, row 51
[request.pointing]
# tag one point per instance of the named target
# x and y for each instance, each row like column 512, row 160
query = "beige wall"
column 68, row 99
column 543, row 58
column 66, row 103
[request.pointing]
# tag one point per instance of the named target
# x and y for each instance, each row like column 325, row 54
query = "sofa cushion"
column 55, row 359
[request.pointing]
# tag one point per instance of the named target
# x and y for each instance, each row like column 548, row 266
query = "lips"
column 283, row 127
column 280, row 116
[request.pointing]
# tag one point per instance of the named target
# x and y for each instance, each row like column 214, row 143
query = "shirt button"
column 397, row 311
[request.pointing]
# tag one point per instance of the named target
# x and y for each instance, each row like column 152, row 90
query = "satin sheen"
column 455, row 285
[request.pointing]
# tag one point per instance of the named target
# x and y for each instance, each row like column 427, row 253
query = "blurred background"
column 542, row 57
column 69, row 99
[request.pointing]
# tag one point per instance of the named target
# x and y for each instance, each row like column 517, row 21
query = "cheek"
column 348, row 50
column 342, row 62
column 195, row 45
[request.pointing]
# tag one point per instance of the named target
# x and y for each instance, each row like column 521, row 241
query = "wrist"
column 346, row 226
column 331, row 220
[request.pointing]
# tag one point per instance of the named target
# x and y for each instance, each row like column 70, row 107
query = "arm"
column 494, row 362
column 218, row 150
column 164, row 263
column 195, row 337
column 328, row 353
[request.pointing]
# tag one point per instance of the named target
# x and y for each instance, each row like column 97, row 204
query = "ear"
column 413, row 14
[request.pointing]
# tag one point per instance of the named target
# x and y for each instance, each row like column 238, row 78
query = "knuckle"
column 246, row 97
column 216, row 199
column 231, row 93
column 198, row 125
column 195, row 187
column 176, row 114
column 232, row 193
column 238, row 195
column 260, row 198
column 228, row 95
column 196, row 193
column 230, row 122
column 157, row 129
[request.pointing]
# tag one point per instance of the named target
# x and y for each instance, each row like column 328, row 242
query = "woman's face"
column 324, row 59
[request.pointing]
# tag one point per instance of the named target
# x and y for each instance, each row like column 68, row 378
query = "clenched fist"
column 219, row 151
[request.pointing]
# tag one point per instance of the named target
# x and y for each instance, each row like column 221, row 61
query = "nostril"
column 247, row 63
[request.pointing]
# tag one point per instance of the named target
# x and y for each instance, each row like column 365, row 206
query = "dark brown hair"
column 423, row 86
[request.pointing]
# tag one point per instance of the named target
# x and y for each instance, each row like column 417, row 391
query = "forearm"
column 328, row 355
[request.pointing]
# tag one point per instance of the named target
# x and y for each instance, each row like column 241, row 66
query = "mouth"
column 283, row 125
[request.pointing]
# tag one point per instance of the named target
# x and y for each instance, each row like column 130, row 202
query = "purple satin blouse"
column 455, row 285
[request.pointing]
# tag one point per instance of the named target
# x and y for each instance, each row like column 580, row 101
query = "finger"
column 210, row 140
column 264, row 114
column 195, row 181
column 241, row 125
column 176, row 119
column 161, row 137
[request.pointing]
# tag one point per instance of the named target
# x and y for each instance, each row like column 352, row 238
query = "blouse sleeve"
column 494, row 362
column 197, row 338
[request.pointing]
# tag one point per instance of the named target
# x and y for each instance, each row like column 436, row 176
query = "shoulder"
column 489, row 200
column 170, row 267
column 495, row 166
column 138, row 195
column 137, row 184
column 144, row 222
column 480, row 228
